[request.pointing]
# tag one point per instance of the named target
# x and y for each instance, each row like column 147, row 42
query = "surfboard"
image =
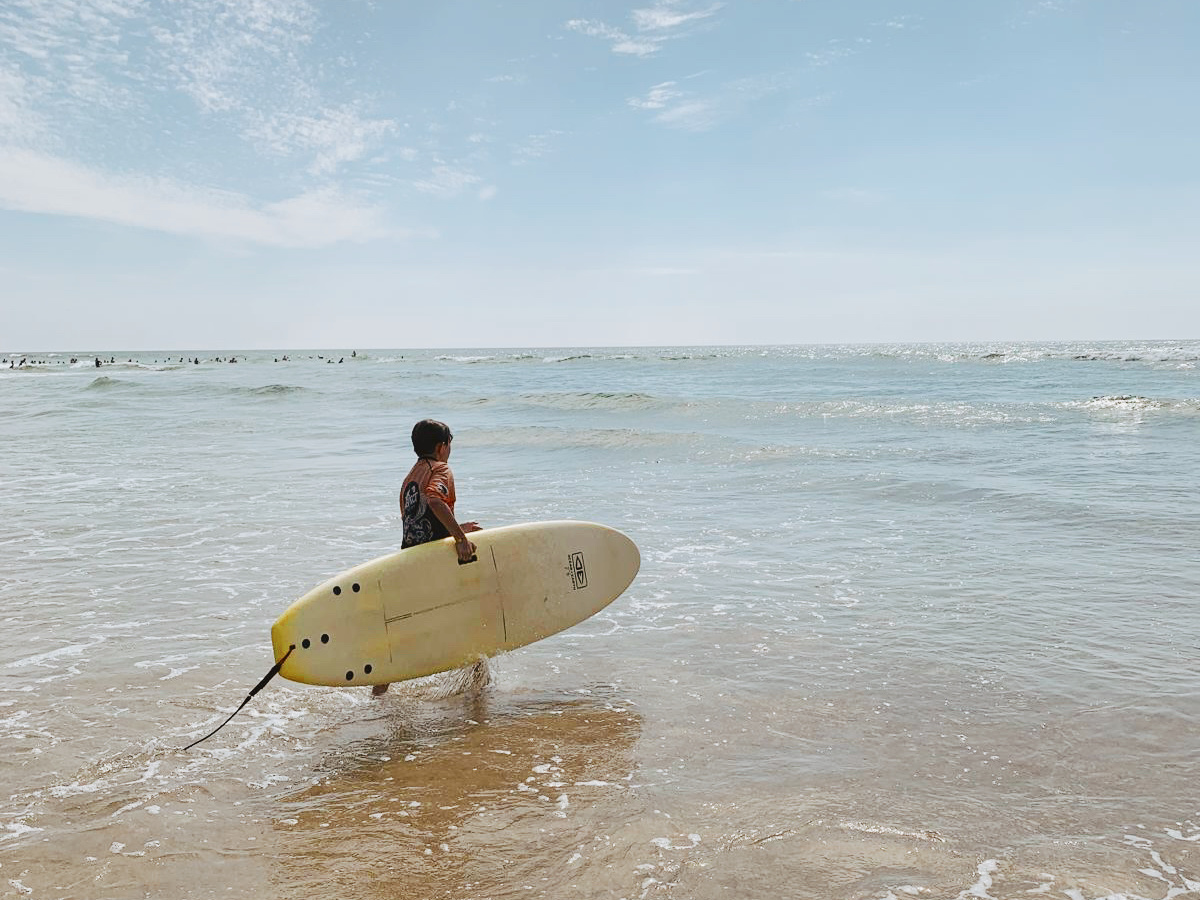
column 419, row 611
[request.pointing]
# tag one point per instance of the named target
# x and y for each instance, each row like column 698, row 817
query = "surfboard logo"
column 577, row 570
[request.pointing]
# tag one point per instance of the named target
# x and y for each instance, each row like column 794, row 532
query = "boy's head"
column 427, row 434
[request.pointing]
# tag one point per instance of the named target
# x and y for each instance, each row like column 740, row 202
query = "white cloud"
column 655, row 25
column 18, row 123
column 834, row 51
column 246, row 61
column 657, row 97
column 534, row 147
column 487, row 193
column 667, row 14
column 446, row 181
column 69, row 49
column 243, row 63
column 621, row 42
column 334, row 136
column 691, row 115
column 230, row 55
column 692, row 111
column 36, row 183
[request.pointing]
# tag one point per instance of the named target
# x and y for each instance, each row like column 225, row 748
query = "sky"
column 191, row 174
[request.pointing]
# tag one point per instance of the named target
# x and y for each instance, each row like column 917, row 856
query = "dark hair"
column 427, row 434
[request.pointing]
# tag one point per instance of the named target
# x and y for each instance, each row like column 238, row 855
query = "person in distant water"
column 427, row 498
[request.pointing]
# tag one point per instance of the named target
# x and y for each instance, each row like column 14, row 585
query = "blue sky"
column 278, row 173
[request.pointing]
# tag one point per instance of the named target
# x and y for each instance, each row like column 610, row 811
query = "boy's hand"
column 466, row 550
column 468, row 527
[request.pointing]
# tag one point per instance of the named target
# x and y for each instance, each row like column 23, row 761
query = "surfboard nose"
column 326, row 626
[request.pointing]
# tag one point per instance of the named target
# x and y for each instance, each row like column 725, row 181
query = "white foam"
column 1180, row 836
column 667, row 844
column 16, row 829
column 887, row 829
column 985, row 870
column 39, row 658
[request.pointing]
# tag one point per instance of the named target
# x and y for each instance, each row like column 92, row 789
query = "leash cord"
column 258, row 687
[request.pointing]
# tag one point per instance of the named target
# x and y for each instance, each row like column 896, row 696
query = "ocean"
column 913, row 621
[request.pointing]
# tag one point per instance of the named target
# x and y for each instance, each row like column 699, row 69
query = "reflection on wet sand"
column 508, row 797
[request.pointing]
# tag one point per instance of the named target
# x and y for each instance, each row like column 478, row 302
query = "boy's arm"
column 442, row 510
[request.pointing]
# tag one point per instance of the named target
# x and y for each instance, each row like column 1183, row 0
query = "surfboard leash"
column 258, row 687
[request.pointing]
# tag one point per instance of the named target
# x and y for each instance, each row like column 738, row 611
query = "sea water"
column 912, row 621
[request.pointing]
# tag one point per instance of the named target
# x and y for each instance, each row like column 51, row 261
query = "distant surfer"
column 427, row 498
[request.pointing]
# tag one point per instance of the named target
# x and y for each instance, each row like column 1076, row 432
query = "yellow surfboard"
column 419, row 611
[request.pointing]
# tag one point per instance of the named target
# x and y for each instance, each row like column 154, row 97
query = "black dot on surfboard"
column 367, row 669
column 306, row 643
column 354, row 587
column 337, row 590
column 349, row 676
column 324, row 639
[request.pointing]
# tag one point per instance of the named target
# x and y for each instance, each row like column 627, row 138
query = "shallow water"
column 912, row 621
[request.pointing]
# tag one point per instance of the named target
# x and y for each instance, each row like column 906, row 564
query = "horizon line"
column 8, row 354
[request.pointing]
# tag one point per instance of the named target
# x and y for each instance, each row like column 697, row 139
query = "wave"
column 732, row 412
column 270, row 390
column 595, row 400
column 577, row 355
column 103, row 383
column 590, row 438
column 1166, row 352
column 1155, row 352
column 464, row 359
column 1133, row 403
column 1176, row 352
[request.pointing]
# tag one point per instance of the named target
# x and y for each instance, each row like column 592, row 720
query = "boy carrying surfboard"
column 427, row 498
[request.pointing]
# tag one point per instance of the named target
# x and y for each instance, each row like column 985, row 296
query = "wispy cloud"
column 240, row 63
column 652, row 27
column 246, row 61
column 225, row 74
column 622, row 42
column 37, row 183
column 1040, row 9
column 70, row 50
column 332, row 136
column 534, row 147
column 658, row 97
column 224, row 54
column 691, row 115
column 834, row 51
column 668, row 14
column 18, row 122
column 675, row 107
column 446, row 181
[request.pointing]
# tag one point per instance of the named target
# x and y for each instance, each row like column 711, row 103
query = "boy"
column 427, row 498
